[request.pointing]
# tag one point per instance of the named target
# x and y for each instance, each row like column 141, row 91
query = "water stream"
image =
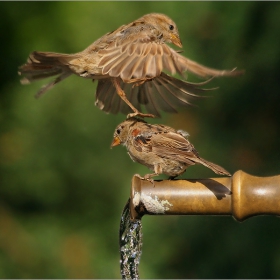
column 130, row 240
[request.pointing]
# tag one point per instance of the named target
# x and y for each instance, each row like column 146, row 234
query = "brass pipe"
column 241, row 196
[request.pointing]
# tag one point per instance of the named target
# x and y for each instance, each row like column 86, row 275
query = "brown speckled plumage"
column 160, row 148
column 129, row 64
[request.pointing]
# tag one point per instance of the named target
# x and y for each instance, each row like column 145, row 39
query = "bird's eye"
column 118, row 131
column 171, row 27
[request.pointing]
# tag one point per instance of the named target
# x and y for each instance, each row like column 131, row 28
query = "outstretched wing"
column 164, row 93
column 138, row 53
column 135, row 53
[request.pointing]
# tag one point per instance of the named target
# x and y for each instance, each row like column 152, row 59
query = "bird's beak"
column 176, row 40
column 116, row 141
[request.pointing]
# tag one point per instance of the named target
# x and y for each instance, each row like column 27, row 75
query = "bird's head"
column 166, row 26
column 122, row 131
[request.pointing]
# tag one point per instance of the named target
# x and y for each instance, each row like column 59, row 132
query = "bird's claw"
column 141, row 115
column 146, row 177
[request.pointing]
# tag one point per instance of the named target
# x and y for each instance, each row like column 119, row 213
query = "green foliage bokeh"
column 62, row 188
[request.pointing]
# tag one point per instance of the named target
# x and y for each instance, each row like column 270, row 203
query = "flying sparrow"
column 160, row 148
column 128, row 64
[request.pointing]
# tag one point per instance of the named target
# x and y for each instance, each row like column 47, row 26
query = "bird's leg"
column 148, row 177
column 122, row 95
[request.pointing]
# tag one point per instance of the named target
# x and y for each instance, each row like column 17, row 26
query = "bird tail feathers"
column 214, row 167
column 41, row 65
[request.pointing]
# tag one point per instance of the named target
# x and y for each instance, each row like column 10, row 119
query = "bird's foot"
column 141, row 115
column 147, row 177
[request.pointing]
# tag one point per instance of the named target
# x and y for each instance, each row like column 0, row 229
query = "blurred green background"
column 62, row 189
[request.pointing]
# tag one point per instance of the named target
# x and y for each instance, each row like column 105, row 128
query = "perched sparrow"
column 128, row 64
column 160, row 148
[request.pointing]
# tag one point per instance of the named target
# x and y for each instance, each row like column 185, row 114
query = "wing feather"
column 164, row 93
column 141, row 44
